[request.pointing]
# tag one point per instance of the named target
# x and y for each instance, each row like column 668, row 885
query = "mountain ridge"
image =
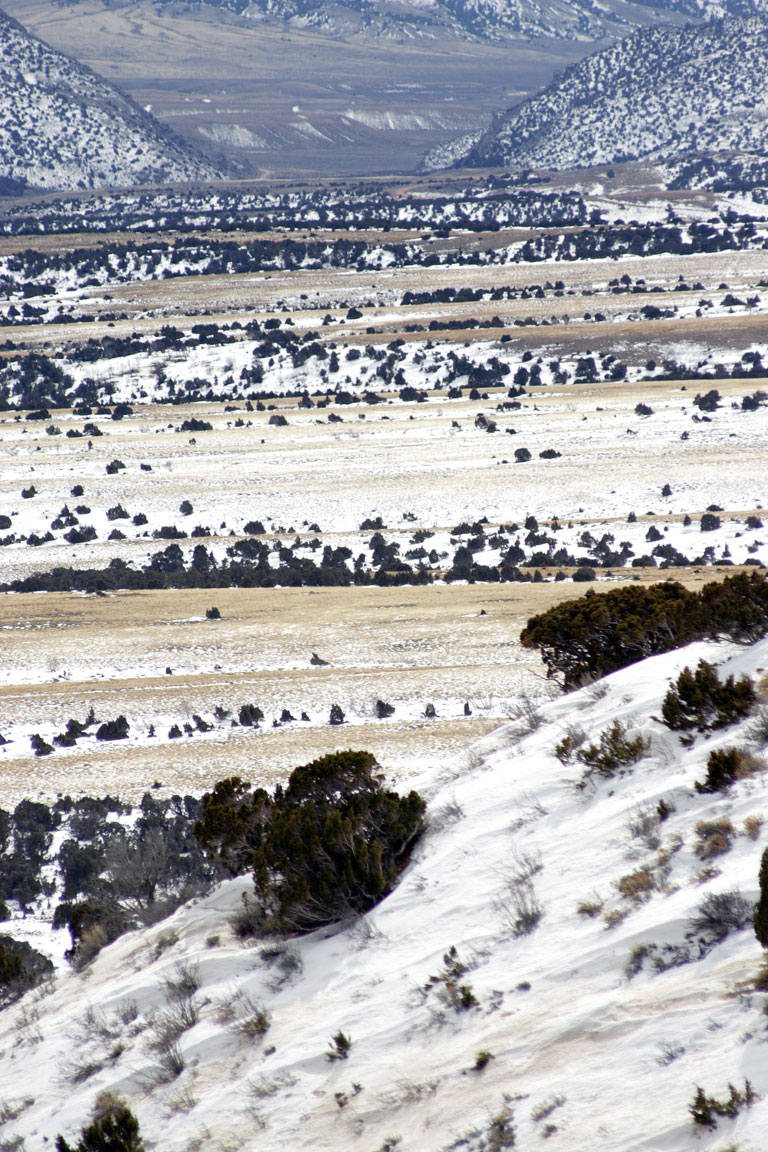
column 658, row 94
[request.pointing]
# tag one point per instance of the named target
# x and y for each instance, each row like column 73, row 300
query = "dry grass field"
column 416, row 465
column 409, row 646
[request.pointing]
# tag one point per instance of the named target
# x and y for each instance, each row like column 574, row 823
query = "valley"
column 319, row 484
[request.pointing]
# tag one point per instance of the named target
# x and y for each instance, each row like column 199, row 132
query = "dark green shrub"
column 705, row 1109
column 250, row 715
column 761, row 909
column 586, row 638
column 337, row 714
column 724, row 767
column 113, row 729
column 21, row 968
column 115, row 1129
column 612, row 751
column 339, row 1047
column 329, row 845
column 699, row 700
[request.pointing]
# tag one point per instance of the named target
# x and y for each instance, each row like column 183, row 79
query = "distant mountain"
column 63, row 127
column 659, row 94
column 485, row 19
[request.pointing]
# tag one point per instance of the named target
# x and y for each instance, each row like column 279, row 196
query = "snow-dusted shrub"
column 699, row 700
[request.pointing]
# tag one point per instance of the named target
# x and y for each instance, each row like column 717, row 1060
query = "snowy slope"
column 582, row 1018
column 661, row 93
column 485, row 19
column 62, row 126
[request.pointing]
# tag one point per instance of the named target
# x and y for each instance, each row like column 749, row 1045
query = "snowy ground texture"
column 575, row 1043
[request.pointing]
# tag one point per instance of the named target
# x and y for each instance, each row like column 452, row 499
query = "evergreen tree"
column 761, row 911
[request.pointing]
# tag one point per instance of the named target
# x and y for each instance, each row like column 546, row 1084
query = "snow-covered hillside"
column 560, row 951
column 485, row 19
column 62, row 126
column 661, row 93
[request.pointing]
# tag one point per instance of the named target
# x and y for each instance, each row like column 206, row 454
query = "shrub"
column 713, row 837
column 637, row 885
column 250, row 715
column 613, row 751
column 339, row 1047
column 113, row 729
column 329, row 845
column 705, row 1109
column 114, row 1128
column 761, row 909
column 383, row 710
column 699, row 700
column 213, row 613
column 21, row 968
column 337, row 714
column 724, row 767
column 566, row 748
column 722, row 912
column 584, row 639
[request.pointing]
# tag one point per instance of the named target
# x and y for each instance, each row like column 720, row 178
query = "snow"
column 575, row 1042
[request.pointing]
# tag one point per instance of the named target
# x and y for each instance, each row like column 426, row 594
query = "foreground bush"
column 329, row 845
column 582, row 640
column 113, row 1129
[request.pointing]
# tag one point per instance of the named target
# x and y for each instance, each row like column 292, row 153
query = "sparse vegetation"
column 706, row 1110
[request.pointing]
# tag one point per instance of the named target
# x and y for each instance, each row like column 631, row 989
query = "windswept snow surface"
column 578, row 1047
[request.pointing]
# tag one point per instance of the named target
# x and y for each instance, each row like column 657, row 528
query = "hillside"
column 63, row 127
column 482, row 19
column 659, row 94
column 559, row 947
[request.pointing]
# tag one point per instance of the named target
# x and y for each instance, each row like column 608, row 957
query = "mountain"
column 484, row 19
column 63, row 127
column 659, row 94
column 563, row 948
